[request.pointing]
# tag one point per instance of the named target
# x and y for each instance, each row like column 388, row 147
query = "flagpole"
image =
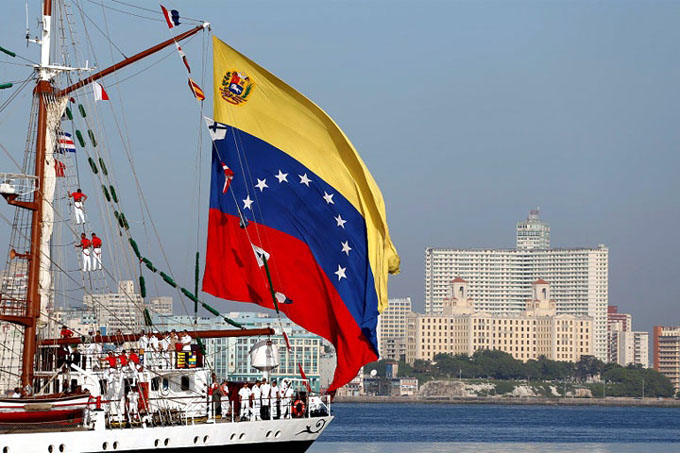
column 132, row 59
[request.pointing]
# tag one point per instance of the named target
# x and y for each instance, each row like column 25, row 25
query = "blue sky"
column 467, row 113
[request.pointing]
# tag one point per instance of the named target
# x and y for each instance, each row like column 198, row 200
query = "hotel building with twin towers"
column 500, row 280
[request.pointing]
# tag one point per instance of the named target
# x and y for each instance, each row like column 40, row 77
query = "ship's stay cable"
column 155, row 11
column 125, row 138
column 105, row 35
column 126, row 12
column 16, row 93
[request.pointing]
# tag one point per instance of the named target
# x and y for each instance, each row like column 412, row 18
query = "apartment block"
column 392, row 328
column 500, row 280
column 667, row 353
column 536, row 331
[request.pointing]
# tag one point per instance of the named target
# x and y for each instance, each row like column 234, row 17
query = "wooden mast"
column 44, row 90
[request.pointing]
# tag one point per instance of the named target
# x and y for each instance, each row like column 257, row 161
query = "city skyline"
column 518, row 105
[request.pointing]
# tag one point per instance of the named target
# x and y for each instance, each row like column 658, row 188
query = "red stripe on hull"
column 232, row 273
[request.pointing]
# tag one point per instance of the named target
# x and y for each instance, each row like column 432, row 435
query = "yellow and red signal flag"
column 196, row 90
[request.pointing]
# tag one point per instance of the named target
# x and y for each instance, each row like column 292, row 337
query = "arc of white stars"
column 345, row 247
column 304, row 180
column 281, row 176
column 247, row 203
column 328, row 197
column 261, row 184
column 341, row 221
column 340, row 272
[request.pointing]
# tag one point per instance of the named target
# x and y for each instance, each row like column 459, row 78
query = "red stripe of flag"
column 167, row 17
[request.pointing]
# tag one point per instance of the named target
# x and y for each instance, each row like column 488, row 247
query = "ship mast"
column 42, row 90
column 46, row 92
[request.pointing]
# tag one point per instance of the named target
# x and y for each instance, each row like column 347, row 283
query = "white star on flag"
column 247, row 202
column 282, row 176
column 261, row 184
column 260, row 254
column 340, row 272
column 328, row 197
column 304, row 180
column 341, row 221
column 345, row 247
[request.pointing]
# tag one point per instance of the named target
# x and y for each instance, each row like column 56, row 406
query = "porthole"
column 166, row 442
column 5, row 450
column 196, row 439
column 278, row 434
column 205, row 439
column 115, row 445
column 62, row 448
column 241, row 436
column 105, row 446
column 232, row 436
column 269, row 433
column 50, row 448
column 156, row 443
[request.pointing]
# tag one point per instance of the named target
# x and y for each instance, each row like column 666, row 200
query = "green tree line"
column 499, row 365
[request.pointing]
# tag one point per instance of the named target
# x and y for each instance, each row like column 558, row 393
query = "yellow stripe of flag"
column 250, row 98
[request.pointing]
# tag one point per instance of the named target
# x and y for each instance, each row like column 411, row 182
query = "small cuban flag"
column 65, row 143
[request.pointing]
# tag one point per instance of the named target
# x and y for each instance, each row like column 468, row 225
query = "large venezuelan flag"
column 297, row 189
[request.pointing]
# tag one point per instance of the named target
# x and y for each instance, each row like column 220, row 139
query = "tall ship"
column 295, row 224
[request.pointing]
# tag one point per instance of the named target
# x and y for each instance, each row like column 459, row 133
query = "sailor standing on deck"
column 257, row 400
column 266, row 390
column 154, row 347
column 244, row 394
column 97, row 249
column 287, row 398
column 78, row 199
column 276, row 401
column 85, row 245
column 224, row 391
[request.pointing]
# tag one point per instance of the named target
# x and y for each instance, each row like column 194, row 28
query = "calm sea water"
column 439, row 428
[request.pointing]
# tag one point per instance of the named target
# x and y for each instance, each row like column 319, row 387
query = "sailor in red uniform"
column 85, row 245
column 97, row 249
column 78, row 198
column 66, row 332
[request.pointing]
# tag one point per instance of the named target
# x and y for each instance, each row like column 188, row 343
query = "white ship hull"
column 289, row 435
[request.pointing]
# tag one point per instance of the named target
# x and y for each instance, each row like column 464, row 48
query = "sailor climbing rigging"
column 85, row 245
column 78, row 199
column 97, row 249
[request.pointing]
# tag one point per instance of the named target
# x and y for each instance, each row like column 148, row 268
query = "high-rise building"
column 667, row 353
column 536, row 331
column 392, row 329
column 613, row 316
column 500, row 279
column 121, row 310
column 625, row 347
column 160, row 305
column 532, row 233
